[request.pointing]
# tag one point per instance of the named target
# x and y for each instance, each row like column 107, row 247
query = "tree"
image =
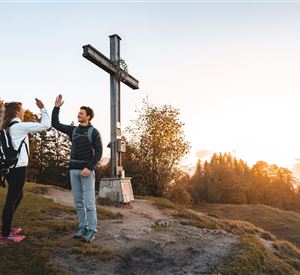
column 156, row 146
column 178, row 191
column 49, row 155
column 222, row 180
column 198, row 173
column 276, row 185
column 226, row 179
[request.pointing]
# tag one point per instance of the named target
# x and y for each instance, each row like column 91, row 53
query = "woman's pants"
column 16, row 180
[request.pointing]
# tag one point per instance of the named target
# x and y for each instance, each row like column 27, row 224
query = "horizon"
column 230, row 68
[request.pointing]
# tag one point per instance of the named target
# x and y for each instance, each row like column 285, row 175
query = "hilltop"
column 149, row 236
column 281, row 223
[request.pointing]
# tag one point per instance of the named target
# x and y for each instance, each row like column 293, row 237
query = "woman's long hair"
column 8, row 113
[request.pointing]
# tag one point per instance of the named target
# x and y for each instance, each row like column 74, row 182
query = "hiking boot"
column 80, row 232
column 13, row 238
column 89, row 236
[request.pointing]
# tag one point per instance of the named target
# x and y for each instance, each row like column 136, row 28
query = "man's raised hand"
column 59, row 101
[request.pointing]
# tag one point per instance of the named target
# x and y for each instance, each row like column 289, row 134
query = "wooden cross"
column 109, row 65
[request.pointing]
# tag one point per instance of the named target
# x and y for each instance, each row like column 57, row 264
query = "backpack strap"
column 74, row 132
column 89, row 134
column 23, row 141
column 12, row 123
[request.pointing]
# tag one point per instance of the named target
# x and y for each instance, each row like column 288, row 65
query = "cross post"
column 110, row 66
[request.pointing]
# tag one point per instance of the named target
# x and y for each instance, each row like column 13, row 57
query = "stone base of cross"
column 116, row 188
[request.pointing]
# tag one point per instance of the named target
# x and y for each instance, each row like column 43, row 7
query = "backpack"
column 89, row 134
column 8, row 155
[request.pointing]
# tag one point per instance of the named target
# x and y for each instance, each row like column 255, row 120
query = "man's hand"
column 59, row 101
column 39, row 103
column 85, row 172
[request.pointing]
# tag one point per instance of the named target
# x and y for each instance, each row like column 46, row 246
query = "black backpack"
column 8, row 155
column 89, row 134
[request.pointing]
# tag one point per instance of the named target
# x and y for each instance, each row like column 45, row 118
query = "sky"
column 230, row 67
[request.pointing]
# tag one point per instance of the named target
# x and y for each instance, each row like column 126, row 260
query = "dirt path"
column 149, row 241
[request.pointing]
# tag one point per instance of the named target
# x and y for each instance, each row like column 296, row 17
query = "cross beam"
column 109, row 66
column 100, row 60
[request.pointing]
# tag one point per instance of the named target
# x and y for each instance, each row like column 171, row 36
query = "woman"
column 18, row 130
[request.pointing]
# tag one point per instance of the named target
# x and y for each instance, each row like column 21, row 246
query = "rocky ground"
column 147, row 240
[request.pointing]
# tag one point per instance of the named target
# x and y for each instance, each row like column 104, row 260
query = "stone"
column 116, row 189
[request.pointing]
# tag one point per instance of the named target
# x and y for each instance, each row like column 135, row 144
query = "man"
column 86, row 152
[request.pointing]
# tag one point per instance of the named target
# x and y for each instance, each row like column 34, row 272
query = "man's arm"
column 97, row 145
column 67, row 129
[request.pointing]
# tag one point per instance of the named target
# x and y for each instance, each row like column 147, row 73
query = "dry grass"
column 102, row 254
column 47, row 227
column 252, row 256
column 103, row 214
column 158, row 228
column 191, row 217
column 282, row 224
column 108, row 202
column 287, row 252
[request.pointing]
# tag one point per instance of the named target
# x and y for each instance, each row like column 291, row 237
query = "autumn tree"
column 225, row 179
column 274, row 185
column 178, row 190
column 49, row 154
column 155, row 147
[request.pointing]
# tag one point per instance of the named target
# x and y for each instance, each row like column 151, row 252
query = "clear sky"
column 232, row 68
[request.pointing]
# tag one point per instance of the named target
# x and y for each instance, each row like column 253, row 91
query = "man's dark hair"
column 89, row 111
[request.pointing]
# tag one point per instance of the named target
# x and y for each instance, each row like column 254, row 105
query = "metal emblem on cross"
column 117, row 75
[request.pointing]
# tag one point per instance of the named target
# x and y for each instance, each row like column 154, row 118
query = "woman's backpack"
column 8, row 155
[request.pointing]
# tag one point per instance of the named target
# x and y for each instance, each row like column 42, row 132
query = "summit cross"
column 112, row 66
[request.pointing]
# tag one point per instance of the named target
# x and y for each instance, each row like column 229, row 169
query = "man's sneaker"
column 13, row 238
column 80, row 232
column 89, row 236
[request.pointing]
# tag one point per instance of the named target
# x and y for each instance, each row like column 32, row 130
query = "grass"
column 102, row 254
column 288, row 252
column 102, row 213
column 108, row 202
column 252, row 256
column 48, row 227
column 159, row 228
column 282, row 224
column 190, row 217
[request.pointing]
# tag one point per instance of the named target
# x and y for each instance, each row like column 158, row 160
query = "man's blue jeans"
column 83, row 189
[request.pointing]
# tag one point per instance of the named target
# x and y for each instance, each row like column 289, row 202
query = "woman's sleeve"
column 31, row 127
